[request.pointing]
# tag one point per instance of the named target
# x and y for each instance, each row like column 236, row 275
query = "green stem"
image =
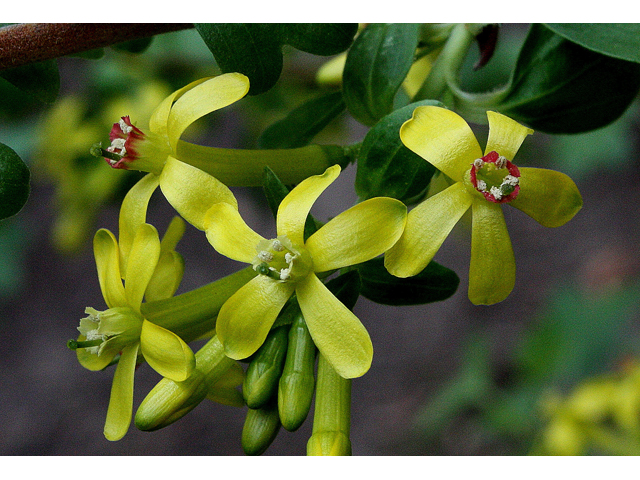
column 245, row 168
column 192, row 314
column 448, row 63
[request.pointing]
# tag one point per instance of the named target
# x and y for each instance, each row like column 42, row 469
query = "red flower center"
column 495, row 177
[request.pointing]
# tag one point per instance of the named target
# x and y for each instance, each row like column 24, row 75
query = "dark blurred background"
column 447, row 378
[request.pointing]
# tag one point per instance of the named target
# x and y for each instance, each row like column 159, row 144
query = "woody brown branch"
column 26, row 43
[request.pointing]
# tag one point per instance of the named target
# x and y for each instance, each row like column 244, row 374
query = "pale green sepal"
column 160, row 116
column 208, row 96
column 93, row 361
column 328, row 443
column 133, row 213
column 492, row 273
column 442, row 138
column 166, row 278
column 143, row 258
column 191, row 191
column 121, row 400
column 295, row 207
column 166, row 352
column 505, row 135
column 335, row 330
column 174, row 233
column 358, row 234
column 551, row 198
column 229, row 235
column 107, row 256
column 246, row 318
column 427, row 227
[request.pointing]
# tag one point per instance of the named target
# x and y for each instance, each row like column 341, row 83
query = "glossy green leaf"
column 386, row 168
column 376, row 66
column 41, row 80
column 302, row 124
column 560, row 87
column 433, row 284
column 255, row 49
column 14, row 182
column 619, row 40
column 137, row 45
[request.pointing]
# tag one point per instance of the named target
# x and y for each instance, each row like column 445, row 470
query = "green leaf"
column 433, row 284
column 376, row 66
column 14, row 182
column 386, row 168
column 302, row 124
column 255, row 49
column 40, row 80
column 619, row 40
column 560, row 87
column 137, row 45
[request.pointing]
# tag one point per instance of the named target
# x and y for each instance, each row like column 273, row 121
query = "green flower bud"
column 265, row 369
column 295, row 389
column 260, row 429
column 332, row 415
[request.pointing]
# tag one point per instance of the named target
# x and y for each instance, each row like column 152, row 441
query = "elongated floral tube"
column 169, row 401
column 332, row 414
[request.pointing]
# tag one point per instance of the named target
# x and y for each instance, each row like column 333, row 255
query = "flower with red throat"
column 483, row 183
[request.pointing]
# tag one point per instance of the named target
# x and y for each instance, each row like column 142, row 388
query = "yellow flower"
column 288, row 264
column 152, row 270
column 481, row 183
column 194, row 177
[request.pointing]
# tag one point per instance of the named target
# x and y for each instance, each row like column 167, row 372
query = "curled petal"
column 295, row 207
column 551, row 198
column 229, row 235
column 206, row 97
column 106, row 253
column 505, row 135
column 357, row 234
column 492, row 273
column 121, row 400
column 166, row 278
column 246, row 318
column 428, row 225
column 339, row 335
column 143, row 259
column 160, row 116
column 133, row 213
column 443, row 139
column 191, row 191
column 166, row 352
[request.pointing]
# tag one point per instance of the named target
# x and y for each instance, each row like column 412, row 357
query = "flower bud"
column 265, row 369
column 260, row 428
column 295, row 389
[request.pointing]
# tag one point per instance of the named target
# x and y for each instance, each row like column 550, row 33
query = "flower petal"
column 492, row 273
column 228, row 233
column 246, row 318
column 442, row 138
column 143, row 259
column 428, row 225
column 166, row 352
column 191, row 191
column 335, row 330
column 551, row 198
column 106, row 253
column 357, row 234
column 121, row 400
column 208, row 96
column 133, row 213
column 505, row 135
column 166, row 278
column 295, row 207
column 160, row 116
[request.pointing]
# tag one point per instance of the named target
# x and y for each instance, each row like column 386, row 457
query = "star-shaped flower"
column 152, row 270
column 288, row 264
column 481, row 183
